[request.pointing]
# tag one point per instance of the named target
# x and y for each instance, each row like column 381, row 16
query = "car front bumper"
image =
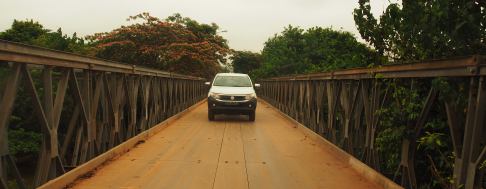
column 231, row 107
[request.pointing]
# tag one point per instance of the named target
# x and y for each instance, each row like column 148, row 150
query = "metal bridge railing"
column 82, row 106
column 346, row 107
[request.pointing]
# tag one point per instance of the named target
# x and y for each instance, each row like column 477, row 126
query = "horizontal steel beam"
column 456, row 67
column 21, row 53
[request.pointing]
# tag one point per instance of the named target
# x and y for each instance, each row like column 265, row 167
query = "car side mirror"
column 207, row 83
column 257, row 85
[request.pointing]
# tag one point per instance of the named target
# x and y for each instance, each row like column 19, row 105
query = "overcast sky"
column 249, row 23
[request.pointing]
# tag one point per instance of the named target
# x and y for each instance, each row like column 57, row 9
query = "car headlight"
column 250, row 96
column 214, row 95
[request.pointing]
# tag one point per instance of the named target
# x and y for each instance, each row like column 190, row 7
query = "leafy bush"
column 21, row 141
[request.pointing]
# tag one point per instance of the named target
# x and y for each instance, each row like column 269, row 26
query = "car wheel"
column 251, row 115
column 210, row 115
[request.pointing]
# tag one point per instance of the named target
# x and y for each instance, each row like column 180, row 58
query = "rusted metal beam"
column 6, row 107
column 457, row 67
column 16, row 52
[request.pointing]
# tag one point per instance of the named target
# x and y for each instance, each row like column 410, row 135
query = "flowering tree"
column 175, row 44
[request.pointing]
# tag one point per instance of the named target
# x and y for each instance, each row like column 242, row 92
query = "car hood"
column 232, row 90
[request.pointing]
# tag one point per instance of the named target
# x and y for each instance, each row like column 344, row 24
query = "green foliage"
column 431, row 141
column 23, row 31
column 395, row 120
column 246, row 61
column 56, row 40
column 424, row 29
column 483, row 165
column 379, row 76
column 388, row 143
column 201, row 30
column 23, row 142
column 435, row 145
column 317, row 49
column 33, row 33
column 12, row 184
column 452, row 90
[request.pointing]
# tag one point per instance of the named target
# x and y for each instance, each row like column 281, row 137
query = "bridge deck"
column 229, row 153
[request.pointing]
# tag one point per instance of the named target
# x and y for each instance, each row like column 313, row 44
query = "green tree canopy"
column 23, row 31
column 246, row 61
column 33, row 33
column 317, row 49
column 425, row 29
column 175, row 44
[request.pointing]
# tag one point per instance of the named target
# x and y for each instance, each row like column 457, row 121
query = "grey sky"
column 249, row 23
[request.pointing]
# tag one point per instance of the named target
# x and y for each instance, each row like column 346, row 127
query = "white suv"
column 232, row 93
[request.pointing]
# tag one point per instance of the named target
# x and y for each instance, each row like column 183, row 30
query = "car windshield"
column 232, row 81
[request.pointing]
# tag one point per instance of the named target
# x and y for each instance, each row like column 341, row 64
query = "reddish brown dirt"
column 228, row 153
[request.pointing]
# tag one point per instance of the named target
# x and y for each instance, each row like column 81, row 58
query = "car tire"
column 210, row 115
column 251, row 115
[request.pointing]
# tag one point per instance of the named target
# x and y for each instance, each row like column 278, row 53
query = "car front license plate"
column 231, row 103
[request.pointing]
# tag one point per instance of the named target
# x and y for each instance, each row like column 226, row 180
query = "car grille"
column 236, row 98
